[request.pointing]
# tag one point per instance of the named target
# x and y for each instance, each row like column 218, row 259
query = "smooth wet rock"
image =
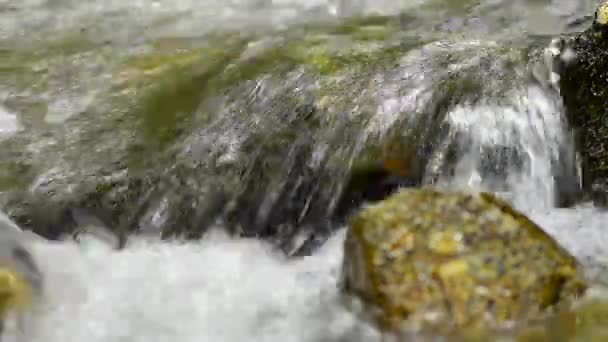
column 429, row 258
column 584, row 88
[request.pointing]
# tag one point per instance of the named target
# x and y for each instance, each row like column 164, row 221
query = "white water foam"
column 8, row 122
column 219, row 289
column 530, row 123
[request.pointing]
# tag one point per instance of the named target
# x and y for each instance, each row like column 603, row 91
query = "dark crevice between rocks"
column 584, row 89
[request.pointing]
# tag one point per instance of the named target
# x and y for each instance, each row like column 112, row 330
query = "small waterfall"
column 517, row 145
column 520, row 147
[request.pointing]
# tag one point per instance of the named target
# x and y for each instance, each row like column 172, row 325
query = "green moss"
column 8, row 61
column 14, row 175
column 17, row 69
column 154, row 63
column 277, row 59
column 175, row 95
column 457, row 87
column 162, row 89
column 327, row 63
column 103, row 188
column 169, row 97
column 69, row 44
column 367, row 29
column 352, row 25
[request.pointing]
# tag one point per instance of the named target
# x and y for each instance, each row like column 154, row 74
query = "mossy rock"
column 286, row 150
column 426, row 258
column 272, row 124
column 584, row 88
column 601, row 15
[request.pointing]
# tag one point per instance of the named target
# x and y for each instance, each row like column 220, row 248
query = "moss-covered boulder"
column 307, row 145
column 86, row 147
column 266, row 133
column 426, row 258
column 584, row 88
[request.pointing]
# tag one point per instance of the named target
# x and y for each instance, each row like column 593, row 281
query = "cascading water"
column 512, row 147
column 518, row 145
column 483, row 123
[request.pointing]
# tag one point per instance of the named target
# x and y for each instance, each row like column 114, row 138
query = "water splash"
column 157, row 292
column 511, row 147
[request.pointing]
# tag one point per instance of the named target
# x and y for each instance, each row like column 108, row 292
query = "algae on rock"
column 99, row 157
column 114, row 147
column 428, row 258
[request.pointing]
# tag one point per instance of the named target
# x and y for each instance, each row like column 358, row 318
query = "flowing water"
column 513, row 141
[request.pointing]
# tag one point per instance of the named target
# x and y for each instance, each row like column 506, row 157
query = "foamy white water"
column 8, row 122
column 218, row 289
column 531, row 123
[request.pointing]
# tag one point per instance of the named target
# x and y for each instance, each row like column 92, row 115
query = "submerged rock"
column 426, row 258
column 21, row 279
column 584, row 88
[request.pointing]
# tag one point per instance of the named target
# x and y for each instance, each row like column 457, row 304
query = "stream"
column 510, row 137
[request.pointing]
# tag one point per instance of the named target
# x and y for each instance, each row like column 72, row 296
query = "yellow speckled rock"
column 428, row 258
column 601, row 15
